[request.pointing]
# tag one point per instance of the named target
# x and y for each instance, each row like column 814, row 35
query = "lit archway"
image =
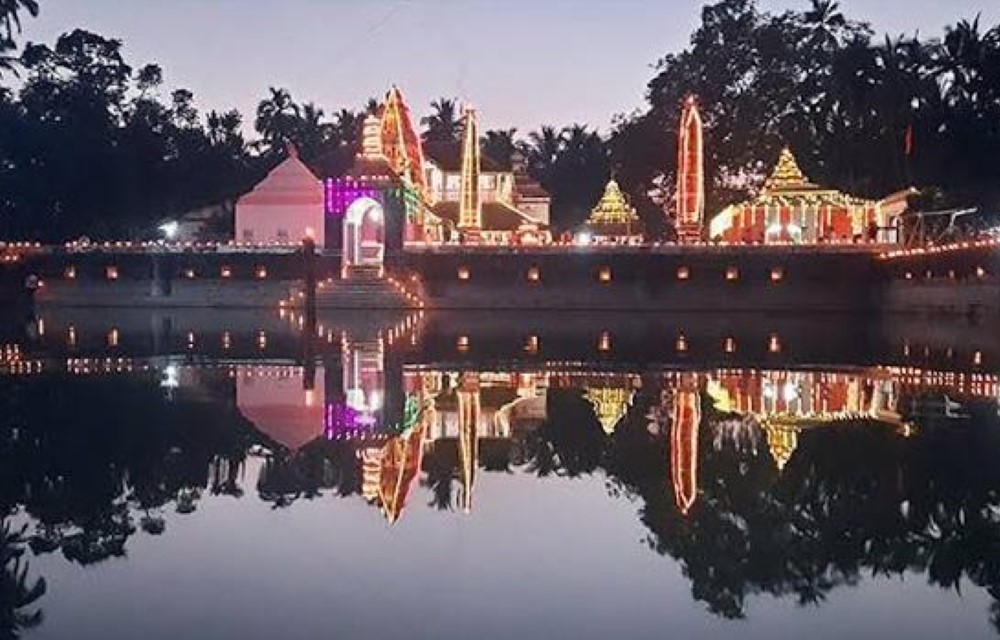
column 364, row 235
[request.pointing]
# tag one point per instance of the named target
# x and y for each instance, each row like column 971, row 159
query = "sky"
column 522, row 63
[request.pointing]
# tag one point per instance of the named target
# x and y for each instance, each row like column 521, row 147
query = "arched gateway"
column 364, row 237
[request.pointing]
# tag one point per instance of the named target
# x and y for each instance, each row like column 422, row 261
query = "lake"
column 206, row 474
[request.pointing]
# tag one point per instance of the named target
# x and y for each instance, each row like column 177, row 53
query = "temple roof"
column 788, row 184
column 290, row 183
column 613, row 216
column 497, row 216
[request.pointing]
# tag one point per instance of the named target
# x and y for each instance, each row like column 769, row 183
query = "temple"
column 393, row 195
column 792, row 210
column 612, row 220
column 285, row 207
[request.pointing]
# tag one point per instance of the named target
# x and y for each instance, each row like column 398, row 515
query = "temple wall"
column 280, row 223
column 756, row 279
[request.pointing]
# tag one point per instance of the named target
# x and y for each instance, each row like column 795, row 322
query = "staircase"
column 362, row 290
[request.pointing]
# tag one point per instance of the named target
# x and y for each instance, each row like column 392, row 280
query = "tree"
column 444, row 123
column 500, row 145
column 10, row 21
column 278, row 120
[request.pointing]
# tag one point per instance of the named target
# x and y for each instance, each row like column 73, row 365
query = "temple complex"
column 793, row 210
column 613, row 220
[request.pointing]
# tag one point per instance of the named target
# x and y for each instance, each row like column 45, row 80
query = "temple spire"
column 470, row 219
column 690, row 174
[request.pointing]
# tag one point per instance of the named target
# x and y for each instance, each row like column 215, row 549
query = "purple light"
column 343, row 422
column 341, row 193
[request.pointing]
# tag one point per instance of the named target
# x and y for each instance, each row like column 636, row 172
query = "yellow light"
column 534, row 274
column 909, row 275
column 262, row 340
column 71, row 273
column 226, row 272
column 605, row 274
column 71, row 336
column 463, row 344
column 463, row 273
column 683, row 273
column 777, row 274
column 681, row 344
column 774, row 343
column 113, row 338
column 189, row 274
column 604, row 343
column 190, row 338
column 977, row 358
column 226, row 340
column 531, row 346
column 111, row 272
column 980, row 272
column 730, row 345
column 310, row 397
column 732, row 274
column 261, row 272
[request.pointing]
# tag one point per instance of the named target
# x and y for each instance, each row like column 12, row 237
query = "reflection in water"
column 755, row 480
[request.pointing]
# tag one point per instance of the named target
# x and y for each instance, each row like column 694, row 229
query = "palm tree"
column 9, row 10
column 17, row 592
column 277, row 119
column 544, row 147
column 827, row 23
column 346, row 128
column 312, row 132
column 444, row 125
column 8, row 63
column 500, row 145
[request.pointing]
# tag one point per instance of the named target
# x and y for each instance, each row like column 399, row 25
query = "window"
column 226, row 272
column 534, row 274
column 111, row 272
column 604, row 275
column 777, row 274
column 463, row 273
column 732, row 274
column 683, row 273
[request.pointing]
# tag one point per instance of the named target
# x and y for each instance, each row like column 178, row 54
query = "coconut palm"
column 444, row 125
column 17, row 592
column 500, row 145
column 9, row 18
column 277, row 119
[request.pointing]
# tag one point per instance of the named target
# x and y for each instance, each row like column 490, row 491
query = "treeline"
column 91, row 145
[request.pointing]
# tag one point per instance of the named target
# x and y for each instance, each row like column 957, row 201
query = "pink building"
column 284, row 208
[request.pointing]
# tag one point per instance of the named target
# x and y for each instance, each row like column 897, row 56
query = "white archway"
column 364, row 235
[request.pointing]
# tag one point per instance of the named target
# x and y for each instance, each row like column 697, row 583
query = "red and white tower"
column 690, row 175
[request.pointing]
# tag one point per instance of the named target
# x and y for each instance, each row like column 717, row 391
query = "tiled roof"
column 497, row 216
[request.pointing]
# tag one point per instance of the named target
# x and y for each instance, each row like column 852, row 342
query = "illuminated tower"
column 469, row 409
column 684, row 446
column 470, row 216
column 690, row 175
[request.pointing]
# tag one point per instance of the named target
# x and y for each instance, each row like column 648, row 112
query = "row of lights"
column 944, row 248
column 604, row 344
column 111, row 272
column 605, row 274
column 980, row 273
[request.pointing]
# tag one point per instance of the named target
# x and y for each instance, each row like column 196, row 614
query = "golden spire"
column 787, row 175
column 469, row 408
column 471, row 205
column 782, row 440
column 613, row 208
column 610, row 405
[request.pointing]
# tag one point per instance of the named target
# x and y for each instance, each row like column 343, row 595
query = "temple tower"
column 690, row 175
column 470, row 218
column 684, row 445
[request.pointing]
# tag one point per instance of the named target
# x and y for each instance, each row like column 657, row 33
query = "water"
column 221, row 475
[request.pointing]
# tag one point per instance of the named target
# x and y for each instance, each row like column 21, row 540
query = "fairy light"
column 691, row 174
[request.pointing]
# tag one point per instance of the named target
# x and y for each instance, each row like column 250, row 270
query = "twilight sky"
column 522, row 62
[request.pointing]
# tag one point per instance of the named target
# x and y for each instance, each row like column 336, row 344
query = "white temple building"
column 284, row 208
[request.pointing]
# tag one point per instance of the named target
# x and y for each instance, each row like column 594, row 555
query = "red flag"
column 908, row 142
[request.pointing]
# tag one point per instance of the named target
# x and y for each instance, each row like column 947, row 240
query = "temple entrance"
column 364, row 238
